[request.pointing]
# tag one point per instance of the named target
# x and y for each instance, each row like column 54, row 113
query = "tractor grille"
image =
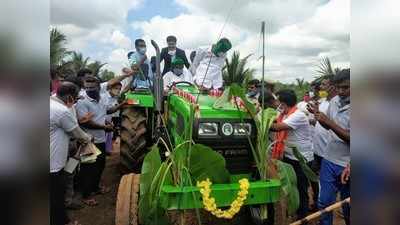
column 238, row 156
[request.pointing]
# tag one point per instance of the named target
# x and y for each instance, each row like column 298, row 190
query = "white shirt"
column 299, row 135
column 61, row 121
column 170, row 78
column 99, row 110
column 205, row 58
column 321, row 135
column 110, row 102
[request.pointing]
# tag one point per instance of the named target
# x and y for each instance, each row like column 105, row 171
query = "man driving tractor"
column 177, row 74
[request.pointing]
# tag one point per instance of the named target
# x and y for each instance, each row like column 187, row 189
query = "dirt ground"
column 104, row 212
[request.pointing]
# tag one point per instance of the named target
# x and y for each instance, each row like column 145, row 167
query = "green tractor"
column 152, row 115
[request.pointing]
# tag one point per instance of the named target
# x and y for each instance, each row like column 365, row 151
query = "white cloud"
column 116, row 59
column 249, row 14
column 121, row 40
column 91, row 13
column 292, row 51
column 299, row 32
column 191, row 31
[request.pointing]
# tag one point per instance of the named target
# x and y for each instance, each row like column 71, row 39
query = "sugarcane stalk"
column 321, row 212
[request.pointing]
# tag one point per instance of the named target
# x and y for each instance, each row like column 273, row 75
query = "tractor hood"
column 205, row 105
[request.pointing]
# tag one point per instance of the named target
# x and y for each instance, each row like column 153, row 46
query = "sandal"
column 90, row 202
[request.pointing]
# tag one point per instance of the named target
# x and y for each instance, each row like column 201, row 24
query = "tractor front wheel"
column 126, row 212
column 133, row 138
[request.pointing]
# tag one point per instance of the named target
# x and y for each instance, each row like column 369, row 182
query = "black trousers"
column 58, row 213
column 316, row 167
column 90, row 173
column 302, row 186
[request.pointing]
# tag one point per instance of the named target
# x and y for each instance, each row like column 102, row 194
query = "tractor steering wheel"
column 181, row 82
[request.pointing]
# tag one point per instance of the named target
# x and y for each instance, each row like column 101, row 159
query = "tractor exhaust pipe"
column 158, row 80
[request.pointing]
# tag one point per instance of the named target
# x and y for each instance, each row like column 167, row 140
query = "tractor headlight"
column 227, row 129
column 242, row 129
column 208, row 129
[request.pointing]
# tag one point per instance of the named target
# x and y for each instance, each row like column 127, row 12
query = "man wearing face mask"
column 177, row 74
column 171, row 52
column 337, row 152
column 327, row 91
column 253, row 89
column 90, row 173
column 293, row 129
column 208, row 63
column 139, row 67
column 63, row 126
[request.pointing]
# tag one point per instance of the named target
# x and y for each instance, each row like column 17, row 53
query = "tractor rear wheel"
column 126, row 210
column 133, row 138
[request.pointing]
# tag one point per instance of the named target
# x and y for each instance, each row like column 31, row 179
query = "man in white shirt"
column 177, row 74
column 110, row 99
column 320, row 134
column 90, row 173
column 208, row 63
column 63, row 125
column 294, row 129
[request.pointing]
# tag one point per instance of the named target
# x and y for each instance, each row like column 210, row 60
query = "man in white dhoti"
column 214, row 59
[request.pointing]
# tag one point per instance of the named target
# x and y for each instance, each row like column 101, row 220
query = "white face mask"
column 172, row 52
column 142, row 50
column 221, row 54
column 177, row 71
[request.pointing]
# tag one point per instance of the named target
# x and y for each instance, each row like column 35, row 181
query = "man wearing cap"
column 177, row 73
column 169, row 53
column 208, row 63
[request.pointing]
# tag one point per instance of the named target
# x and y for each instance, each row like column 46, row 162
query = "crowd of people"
column 84, row 111
column 319, row 128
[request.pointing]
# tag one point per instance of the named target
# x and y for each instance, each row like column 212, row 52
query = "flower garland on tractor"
column 209, row 202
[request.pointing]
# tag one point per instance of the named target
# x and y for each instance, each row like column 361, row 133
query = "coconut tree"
column 95, row 67
column 235, row 70
column 325, row 69
column 78, row 62
column 106, row 75
column 300, row 82
column 58, row 52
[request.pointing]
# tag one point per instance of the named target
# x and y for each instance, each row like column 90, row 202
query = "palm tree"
column 78, row 62
column 325, row 69
column 300, row 82
column 106, row 75
column 235, row 71
column 95, row 67
column 58, row 52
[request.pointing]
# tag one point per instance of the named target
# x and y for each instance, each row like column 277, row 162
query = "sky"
column 298, row 32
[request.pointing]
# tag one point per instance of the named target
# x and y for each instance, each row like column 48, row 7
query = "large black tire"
column 133, row 139
column 126, row 210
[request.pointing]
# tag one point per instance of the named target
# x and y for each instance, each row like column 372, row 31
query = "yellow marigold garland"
column 209, row 202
